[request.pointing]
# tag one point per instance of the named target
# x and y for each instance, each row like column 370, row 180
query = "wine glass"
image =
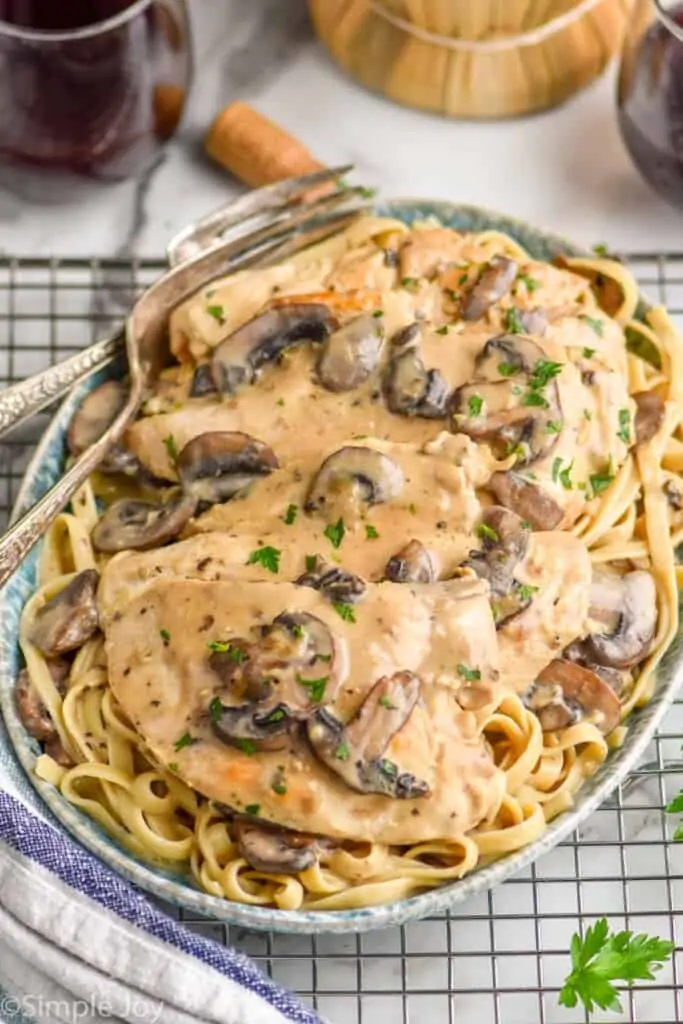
column 89, row 89
column 650, row 94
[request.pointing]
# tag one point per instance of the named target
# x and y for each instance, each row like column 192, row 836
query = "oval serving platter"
column 179, row 889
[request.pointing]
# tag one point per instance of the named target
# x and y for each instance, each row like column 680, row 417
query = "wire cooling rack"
column 497, row 959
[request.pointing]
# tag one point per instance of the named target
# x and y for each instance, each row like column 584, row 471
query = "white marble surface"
column 566, row 169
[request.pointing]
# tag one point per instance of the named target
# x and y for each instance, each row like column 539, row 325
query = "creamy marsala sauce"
column 322, row 650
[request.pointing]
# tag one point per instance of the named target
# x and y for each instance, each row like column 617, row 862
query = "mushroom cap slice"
column 565, row 693
column 246, row 727
column 409, row 388
column 527, row 499
column 510, row 400
column 67, row 620
column 504, row 542
column 649, row 415
column 239, row 357
column 202, row 381
column 92, row 419
column 412, row 564
column 494, row 281
column 135, row 525
column 351, row 353
column 275, row 850
column 215, row 466
column 375, row 476
column 627, row 607
column 354, row 752
column 335, row 583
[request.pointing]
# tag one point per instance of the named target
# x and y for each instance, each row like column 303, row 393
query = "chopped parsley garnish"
column 535, row 398
column 371, row 532
column 216, row 710
column 508, row 369
column 342, row 752
column 266, row 556
column 463, row 278
column 388, row 767
column 600, row 249
column 408, row 282
column 217, row 312
column 513, row 322
column 563, row 475
column 544, row 371
column 247, row 747
column 412, row 508
column 587, row 414
column 344, row 611
column 291, row 514
column 378, row 313
column 442, row 330
column 279, row 788
column 624, row 431
column 225, row 647
column 487, row 532
column 171, row 448
column 252, row 809
column 311, row 563
column 470, row 674
column 173, row 766
column 275, row 716
column 526, row 591
column 184, row 741
column 165, row 635
column 595, row 324
column 531, row 283
column 366, row 193
column 474, row 405
column 600, row 481
column 297, row 629
column 335, row 532
column 588, row 353
column 359, row 437
column 386, row 702
column 553, row 427
column 316, row 687
column 280, row 401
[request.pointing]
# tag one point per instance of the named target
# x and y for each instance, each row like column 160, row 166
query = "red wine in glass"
column 650, row 97
column 89, row 89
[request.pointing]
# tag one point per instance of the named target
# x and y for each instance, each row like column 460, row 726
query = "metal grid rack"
column 500, row 958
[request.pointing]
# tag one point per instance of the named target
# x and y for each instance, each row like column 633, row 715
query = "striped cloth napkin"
column 80, row 945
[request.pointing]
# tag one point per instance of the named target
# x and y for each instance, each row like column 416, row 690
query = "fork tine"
column 205, row 232
column 354, row 199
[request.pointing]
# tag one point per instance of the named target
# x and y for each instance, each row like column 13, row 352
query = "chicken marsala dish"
column 375, row 578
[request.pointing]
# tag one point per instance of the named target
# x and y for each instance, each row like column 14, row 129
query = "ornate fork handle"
column 19, row 402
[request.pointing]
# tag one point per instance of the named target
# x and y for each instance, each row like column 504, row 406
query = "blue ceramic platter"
column 18, row 751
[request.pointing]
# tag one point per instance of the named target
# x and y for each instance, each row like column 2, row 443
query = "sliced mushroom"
column 566, row 692
column 245, row 727
column 527, row 499
column 373, row 476
column 412, row 564
column 33, row 714
column 509, row 402
column 276, row 850
column 351, row 353
column 627, row 608
column 649, row 416
column 410, row 389
column 238, row 358
column 495, row 281
column 504, row 542
column 533, row 321
column 336, row 584
column 614, row 677
column 202, row 381
column 354, row 751
column 92, row 419
column 215, row 466
column 674, row 494
column 135, row 525
column 65, row 622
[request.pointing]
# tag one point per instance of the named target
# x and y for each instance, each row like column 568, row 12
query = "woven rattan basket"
column 472, row 58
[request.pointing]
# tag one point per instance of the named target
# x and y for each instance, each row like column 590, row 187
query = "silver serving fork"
column 265, row 226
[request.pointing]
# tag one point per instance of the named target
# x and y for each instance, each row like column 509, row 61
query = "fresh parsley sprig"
column 600, row 958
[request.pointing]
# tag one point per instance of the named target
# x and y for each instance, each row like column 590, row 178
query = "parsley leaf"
column 225, row 647
column 315, row 687
column 252, row 809
column 624, row 431
column 474, row 405
column 553, row 427
column 408, row 282
column 600, row 481
column 486, row 532
column 587, row 353
column 165, row 635
column 442, row 330
column 278, row 787
column 470, row 674
column 266, row 556
column 342, row 752
column 386, row 702
column 370, row 532
column 290, row 515
column 508, row 369
column 513, row 322
column 217, row 312
column 184, row 741
column 171, row 448
column 526, row 591
column 601, row 958
column 216, row 710
column 311, row 563
column 565, row 478
column 463, row 278
column 344, row 611
column 173, row 766
column 535, row 398
column 531, row 283
column 544, row 371
column 595, row 324
column 335, row 532
column 600, row 249
column 247, row 747
column 378, row 313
